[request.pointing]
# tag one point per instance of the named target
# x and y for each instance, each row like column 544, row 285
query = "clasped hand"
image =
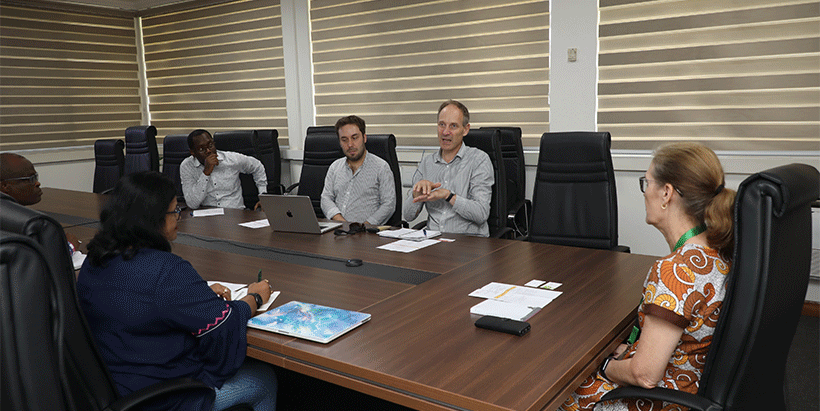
column 424, row 191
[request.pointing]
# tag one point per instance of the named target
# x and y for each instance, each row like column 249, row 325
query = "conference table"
column 420, row 349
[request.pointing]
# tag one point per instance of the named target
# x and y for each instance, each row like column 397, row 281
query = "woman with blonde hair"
column 687, row 201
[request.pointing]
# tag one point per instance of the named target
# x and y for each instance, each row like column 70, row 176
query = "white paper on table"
column 409, row 234
column 77, row 258
column 532, row 297
column 208, row 212
column 240, row 290
column 504, row 310
column 407, row 246
column 395, row 233
column 256, row 224
column 535, row 283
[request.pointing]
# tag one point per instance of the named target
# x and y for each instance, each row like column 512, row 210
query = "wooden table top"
column 421, row 349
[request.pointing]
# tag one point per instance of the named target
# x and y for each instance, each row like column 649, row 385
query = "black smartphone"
column 504, row 325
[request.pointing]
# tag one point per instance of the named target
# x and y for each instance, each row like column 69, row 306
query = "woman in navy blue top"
column 154, row 318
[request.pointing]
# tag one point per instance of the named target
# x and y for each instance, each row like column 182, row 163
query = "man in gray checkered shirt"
column 358, row 187
column 454, row 183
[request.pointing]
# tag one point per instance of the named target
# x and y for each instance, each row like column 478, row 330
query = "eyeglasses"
column 177, row 211
column 33, row 179
column 203, row 150
column 644, row 181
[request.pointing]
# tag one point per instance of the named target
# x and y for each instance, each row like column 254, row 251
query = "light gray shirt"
column 222, row 188
column 368, row 195
column 470, row 177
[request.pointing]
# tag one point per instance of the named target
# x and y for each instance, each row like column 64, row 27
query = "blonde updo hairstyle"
column 695, row 171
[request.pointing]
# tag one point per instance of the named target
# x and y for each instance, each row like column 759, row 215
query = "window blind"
column 68, row 76
column 218, row 67
column 735, row 75
column 393, row 64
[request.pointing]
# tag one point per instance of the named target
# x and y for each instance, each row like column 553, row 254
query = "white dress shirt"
column 222, row 188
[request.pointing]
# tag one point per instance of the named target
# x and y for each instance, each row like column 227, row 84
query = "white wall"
column 573, row 85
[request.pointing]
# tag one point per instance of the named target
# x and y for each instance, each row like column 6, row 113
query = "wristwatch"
column 450, row 197
column 603, row 366
column 258, row 299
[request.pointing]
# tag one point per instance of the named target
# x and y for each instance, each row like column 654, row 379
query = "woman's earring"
column 663, row 206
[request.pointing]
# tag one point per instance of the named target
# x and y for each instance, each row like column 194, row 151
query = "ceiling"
column 129, row 5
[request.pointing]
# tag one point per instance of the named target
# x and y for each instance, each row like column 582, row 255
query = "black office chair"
column 518, row 207
column 266, row 146
column 241, row 142
column 50, row 359
column 745, row 366
column 321, row 150
column 489, row 141
column 574, row 201
column 262, row 145
column 384, row 146
column 109, row 163
column 141, row 153
column 174, row 150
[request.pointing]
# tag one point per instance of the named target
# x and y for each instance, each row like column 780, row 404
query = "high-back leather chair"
column 512, row 151
column 489, row 141
column 109, row 163
column 30, row 364
column 384, row 146
column 141, row 153
column 321, row 150
column 266, row 146
column 174, row 150
column 39, row 292
column 766, row 288
column 574, row 201
column 241, row 142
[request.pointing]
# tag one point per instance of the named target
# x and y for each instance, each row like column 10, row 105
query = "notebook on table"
column 293, row 214
column 309, row 321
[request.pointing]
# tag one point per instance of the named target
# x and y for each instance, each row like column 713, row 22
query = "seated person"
column 455, row 183
column 154, row 318
column 20, row 182
column 359, row 187
column 211, row 177
column 687, row 202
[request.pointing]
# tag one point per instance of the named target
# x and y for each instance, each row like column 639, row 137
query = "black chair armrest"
column 505, row 232
column 623, row 249
column 686, row 399
column 136, row 399
column 290, row 188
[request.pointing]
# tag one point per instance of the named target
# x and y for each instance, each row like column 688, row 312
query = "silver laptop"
column 293, row 214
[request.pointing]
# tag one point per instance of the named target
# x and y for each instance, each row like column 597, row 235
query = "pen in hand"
column 259, row 276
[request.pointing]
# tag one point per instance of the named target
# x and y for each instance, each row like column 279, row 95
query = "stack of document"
column 511, row 301
column 410, row 234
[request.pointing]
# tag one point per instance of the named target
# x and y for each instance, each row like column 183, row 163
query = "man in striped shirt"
column 358, row 187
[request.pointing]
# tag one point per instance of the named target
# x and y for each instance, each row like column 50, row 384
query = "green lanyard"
column 689, row 234
column 633, row 336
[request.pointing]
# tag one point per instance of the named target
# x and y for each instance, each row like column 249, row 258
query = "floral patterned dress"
column 687, row 289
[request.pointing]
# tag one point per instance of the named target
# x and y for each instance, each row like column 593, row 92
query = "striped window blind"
column 393, row 63
column 735, row 75
column 217, row 66
column 68, row 75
